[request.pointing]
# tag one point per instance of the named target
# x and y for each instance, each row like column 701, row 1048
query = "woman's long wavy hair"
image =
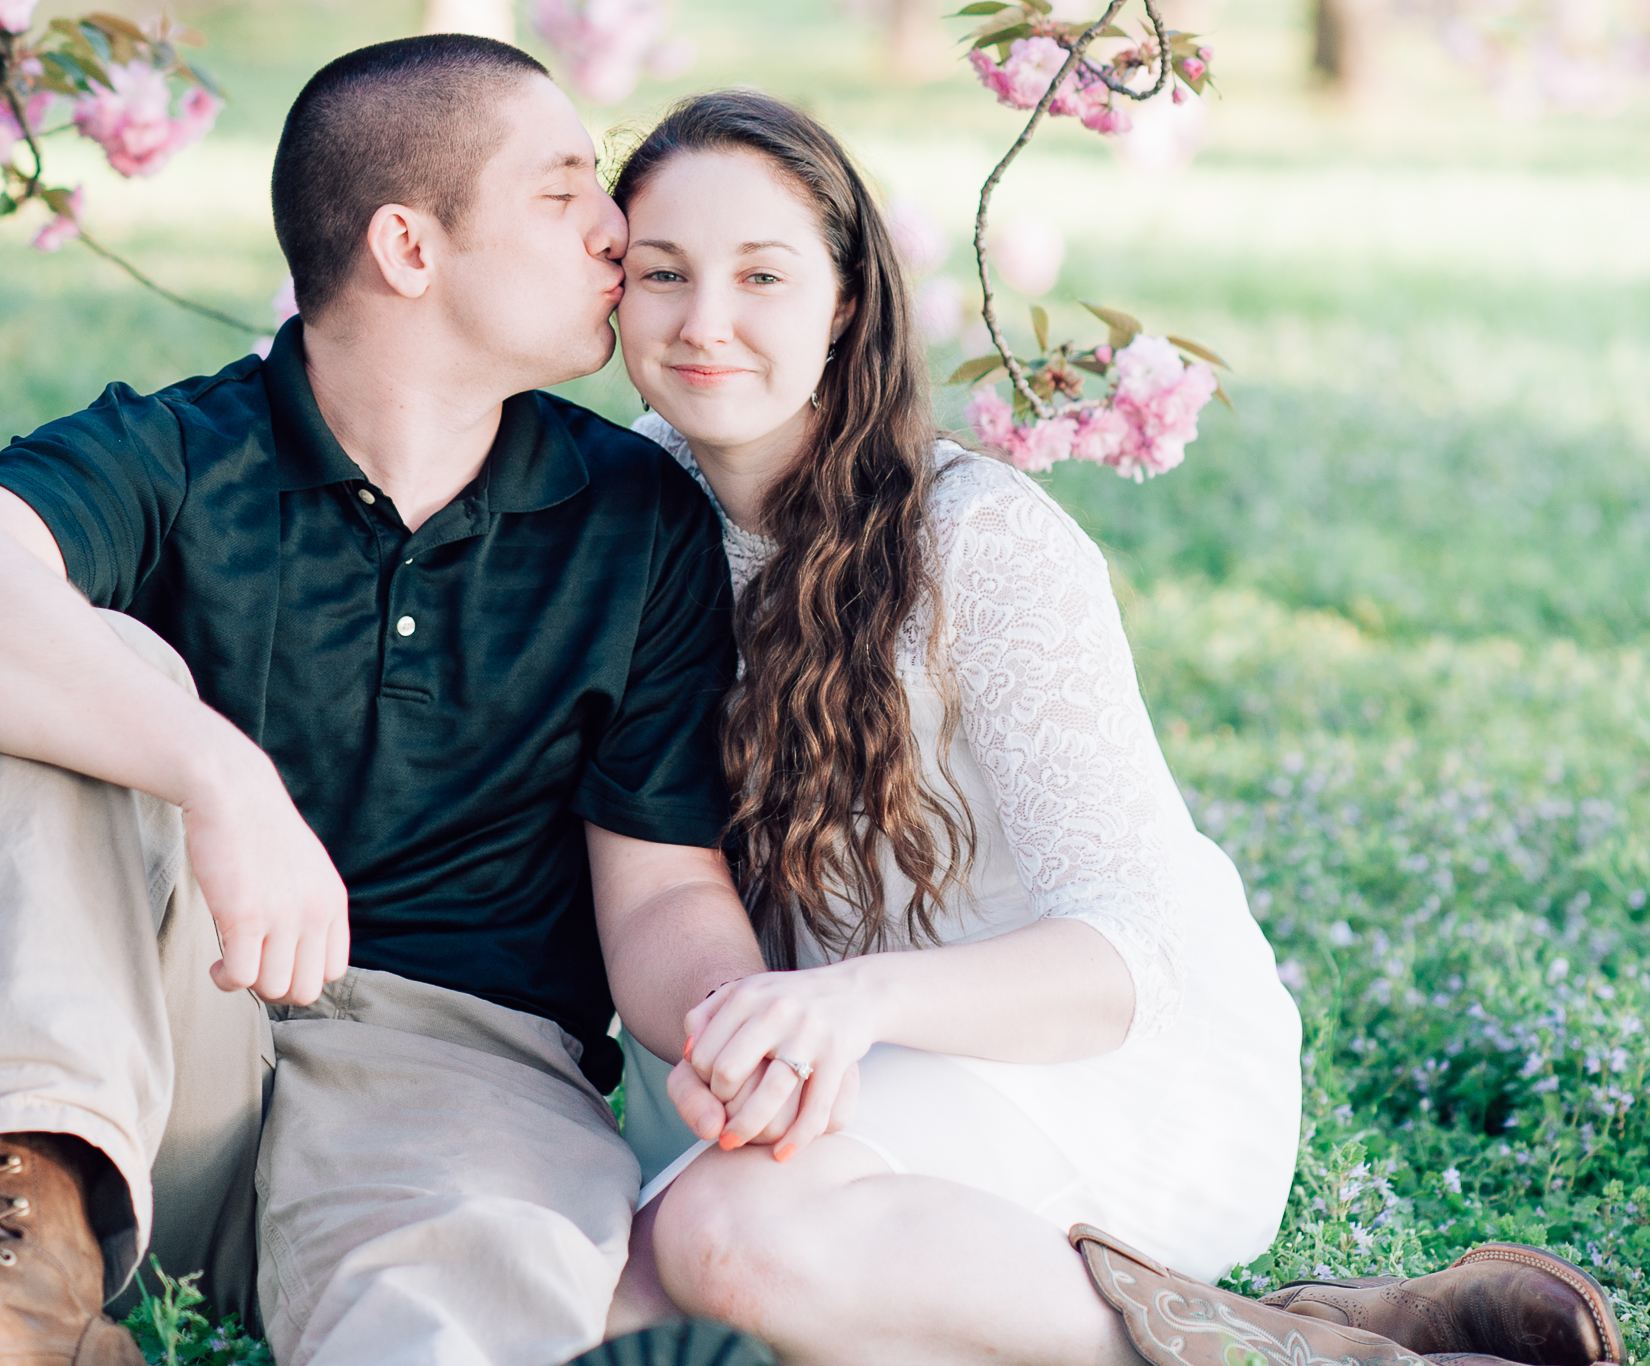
column 816, row 737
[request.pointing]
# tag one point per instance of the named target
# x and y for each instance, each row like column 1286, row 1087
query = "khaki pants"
column 396, row 1174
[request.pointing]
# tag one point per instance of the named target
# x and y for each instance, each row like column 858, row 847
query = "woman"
column 987, row 906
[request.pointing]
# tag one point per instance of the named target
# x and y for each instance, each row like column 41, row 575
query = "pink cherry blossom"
column 1029, row 252
column 1159, row 396
column 920, row 241
column 131, row 118
column 65, row 227
column 940, row 308
column 285, row 303
column 16, row 14
column 991, row 418
column 10, row 134
column 1193, row 68
column 1104, row 119
column 1102, row 434
column 1040, row 445
column 1022, row 80
column 607, row 43
column 1179, row 95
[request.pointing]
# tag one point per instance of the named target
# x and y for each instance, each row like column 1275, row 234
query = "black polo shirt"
column 447, row 706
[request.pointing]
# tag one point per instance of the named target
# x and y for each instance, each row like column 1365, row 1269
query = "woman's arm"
column 1053, row 716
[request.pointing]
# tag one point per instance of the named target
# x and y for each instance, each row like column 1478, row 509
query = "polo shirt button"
column 406, row 626
column 366, row 496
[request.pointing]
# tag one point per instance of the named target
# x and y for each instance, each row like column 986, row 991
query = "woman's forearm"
column 1053, row 991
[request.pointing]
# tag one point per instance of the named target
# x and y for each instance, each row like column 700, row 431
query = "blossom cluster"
column 608, row 44
column 121, row 83
column 1140, row 430
column 1031, row 49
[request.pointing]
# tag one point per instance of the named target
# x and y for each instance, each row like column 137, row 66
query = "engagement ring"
column 803, row 1070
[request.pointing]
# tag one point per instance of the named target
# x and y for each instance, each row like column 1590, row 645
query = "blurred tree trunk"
column 1346, row 36
column 489, row 18
column 917, row 48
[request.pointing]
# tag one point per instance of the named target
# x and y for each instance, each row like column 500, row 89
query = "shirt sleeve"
column 1053, row 715
column 655, row 772
column 107, row 482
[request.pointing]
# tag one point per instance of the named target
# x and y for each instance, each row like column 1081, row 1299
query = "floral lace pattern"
column 1051, row 709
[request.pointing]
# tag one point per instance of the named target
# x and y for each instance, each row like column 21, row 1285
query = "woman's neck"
column 742, row 474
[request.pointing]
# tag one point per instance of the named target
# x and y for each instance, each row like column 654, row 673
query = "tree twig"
column 1016, row 372
column 167, row 294
column 8, row 58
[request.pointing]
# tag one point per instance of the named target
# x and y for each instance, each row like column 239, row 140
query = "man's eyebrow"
column 569, row 161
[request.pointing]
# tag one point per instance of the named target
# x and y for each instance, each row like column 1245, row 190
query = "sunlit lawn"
column 1390, row 615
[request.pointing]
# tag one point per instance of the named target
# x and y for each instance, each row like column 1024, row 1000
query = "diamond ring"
column 803, row 1070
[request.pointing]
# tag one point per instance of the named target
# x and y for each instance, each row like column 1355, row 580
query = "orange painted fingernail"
column 687, row 1048
column 784, row 1154
column 728, row 1142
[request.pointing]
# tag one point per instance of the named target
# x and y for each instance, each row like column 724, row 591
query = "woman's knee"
column 726, row 1239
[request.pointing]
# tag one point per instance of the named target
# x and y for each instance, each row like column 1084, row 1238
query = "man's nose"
column 610, row 236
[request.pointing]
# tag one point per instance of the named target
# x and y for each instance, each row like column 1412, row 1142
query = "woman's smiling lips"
column 706, row 376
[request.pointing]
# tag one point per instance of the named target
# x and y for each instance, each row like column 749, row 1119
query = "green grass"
column 1390, row 616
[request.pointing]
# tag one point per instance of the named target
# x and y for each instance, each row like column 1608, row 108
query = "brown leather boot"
column 1173, row 1320
column 1505, row 1300
column 51, row 1268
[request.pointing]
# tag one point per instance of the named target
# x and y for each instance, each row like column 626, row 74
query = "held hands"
column 280, row 906
column 731, row 1084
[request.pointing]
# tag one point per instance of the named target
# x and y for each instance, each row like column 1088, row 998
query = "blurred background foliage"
column 1391, row 615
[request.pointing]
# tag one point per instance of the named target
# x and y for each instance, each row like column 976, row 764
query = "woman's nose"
column 709, row 321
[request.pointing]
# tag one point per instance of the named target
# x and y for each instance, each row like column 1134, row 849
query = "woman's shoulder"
column 976, row 494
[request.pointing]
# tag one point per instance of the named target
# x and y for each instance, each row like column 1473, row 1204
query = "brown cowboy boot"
column 1173, row 1320
column 51, row 1268
column 1502, row 1299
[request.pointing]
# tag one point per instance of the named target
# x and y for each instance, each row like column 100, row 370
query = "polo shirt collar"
column 534, row 462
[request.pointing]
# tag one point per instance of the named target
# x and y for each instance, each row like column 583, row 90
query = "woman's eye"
column 762, row 277
column 664, row 277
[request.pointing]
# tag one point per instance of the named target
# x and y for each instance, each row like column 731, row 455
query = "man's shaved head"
column 406, row 122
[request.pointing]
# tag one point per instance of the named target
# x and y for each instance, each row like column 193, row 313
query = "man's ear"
column 403, row 243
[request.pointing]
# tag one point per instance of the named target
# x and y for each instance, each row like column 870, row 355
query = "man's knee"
column 150, row 648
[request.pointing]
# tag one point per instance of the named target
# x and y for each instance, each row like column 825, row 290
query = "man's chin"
column 567, row 362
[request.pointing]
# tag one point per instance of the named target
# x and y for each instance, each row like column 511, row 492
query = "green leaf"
column 96, row 40
column 1112, row 31
column 1221, row 394
column 1041, row 6
column 62, row 74
column 114, row 23
column 1092, row 366
column 7, row 204
column 1201, row 352
column 1124, row 327
column 203, row 77
column 981, row 7
column 1003, row 35
column 1039, row 325
column 59, row 201
column 972, row 371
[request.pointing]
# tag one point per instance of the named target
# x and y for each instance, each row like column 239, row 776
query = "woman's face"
column 730, row 299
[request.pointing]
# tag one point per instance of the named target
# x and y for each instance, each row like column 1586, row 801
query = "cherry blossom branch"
column 1074, row 57
column 204, row 310
column 8, row 57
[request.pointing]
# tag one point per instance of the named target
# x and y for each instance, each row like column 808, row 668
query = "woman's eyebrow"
column 747, row 248
column 670, row 247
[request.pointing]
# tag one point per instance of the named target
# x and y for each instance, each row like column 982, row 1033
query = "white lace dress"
column 1182, row 1141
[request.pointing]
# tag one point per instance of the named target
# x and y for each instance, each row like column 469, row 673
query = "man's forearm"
column 77, row 697
column 676, row 949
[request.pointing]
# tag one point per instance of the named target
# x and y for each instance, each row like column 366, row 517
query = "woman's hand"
column 819, row 1018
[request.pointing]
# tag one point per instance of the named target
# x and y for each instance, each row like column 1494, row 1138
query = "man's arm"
column 78, row 698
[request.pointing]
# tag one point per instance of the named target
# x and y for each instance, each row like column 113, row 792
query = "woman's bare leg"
column 640, row 1301
column 836, row 1261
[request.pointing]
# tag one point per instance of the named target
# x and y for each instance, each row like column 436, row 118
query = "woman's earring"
column 813, row 398
column 646, row 406
column 831, row 354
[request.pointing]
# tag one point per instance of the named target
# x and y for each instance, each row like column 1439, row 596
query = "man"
column 458, row 647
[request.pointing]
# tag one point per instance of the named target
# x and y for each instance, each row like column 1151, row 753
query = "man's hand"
column 280, row 906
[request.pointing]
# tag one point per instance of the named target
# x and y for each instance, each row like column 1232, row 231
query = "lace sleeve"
column 1053, row 714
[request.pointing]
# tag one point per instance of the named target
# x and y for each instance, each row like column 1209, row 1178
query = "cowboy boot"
column 1173, row 1320
column 51, row 1268
column 1502, row 1299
